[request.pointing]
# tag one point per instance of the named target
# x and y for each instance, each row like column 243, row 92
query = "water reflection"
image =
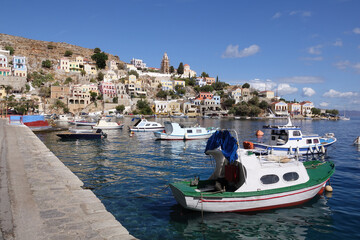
column 288, row 223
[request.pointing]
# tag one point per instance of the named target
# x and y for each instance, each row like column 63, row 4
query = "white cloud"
column 338, row 43
column 324, row 104
column 300, row 13
column 342, row 64
column 286, row 89
column 262, row 85
column 308, row 91
column 356, row 66
column 315, row 49
column 277, row 15
column 356, row 30
column 233, row 51
column 336, row 94
column 302, row 79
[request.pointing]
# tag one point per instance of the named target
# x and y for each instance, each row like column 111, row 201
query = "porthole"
column 291, row 176
column 269, row 179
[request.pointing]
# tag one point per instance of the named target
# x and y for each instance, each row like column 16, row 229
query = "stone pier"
column 40, row 198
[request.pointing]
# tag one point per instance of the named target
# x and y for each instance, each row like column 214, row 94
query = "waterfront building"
column 161, row 107
column 78, row 98
column 280, row 108
column 306, row 107
column 216, row 99
column 174, row 107
column 5, row 70
column 138, row 63
column 294, row 109
column 190, row 109
column 209, row 80
column 19, row 66
column 165, row 64
column 123, row 97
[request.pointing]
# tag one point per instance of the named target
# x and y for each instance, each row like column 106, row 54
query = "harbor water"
column 131, row 176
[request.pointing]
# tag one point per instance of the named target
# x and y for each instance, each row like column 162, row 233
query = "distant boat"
column 344, row 117
column 179, row 116
column 176, row 131
column 106, row 124
column 143, row 125
column 357, row 141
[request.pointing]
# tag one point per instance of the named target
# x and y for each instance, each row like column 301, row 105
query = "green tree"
column 100, row 76
column 133, row 72
column 93, row 97
column 97, row 50
column 11, row 49
column 180, row 89
column 206, row 88
column 263, row 105
column 246, row 85
column 254, row 101
column 115, row 100
column 162, row 94
column 27, row 87
column 100, row 59
column 83, row 72
column 50, row 46
column 180, row 69
column 68, row 53
column 68, row 80
column 120, row 108
column 143, row 107
column 204, row 74
column 316, row 111
column 254, row 111
column 229, row 102
column 56, row 83
column 46, row 64
column 171, row 69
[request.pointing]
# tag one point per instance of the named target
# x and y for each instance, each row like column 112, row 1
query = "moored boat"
column 143, row 125
column 106, row 124
column 82, row 134
column 357, row 141
column 243, row 182
column 176, row 131
column 288, row 139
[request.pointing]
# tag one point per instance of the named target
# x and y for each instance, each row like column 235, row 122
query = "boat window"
column 316, row 140
column 269, row 179
column 291, row 176
column 296, row 133
column 308, row 141
column 198, row 130
column 189, row 131
column 148, row 124
column 273, row 138
column 154, row 124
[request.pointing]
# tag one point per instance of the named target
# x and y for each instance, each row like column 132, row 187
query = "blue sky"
column 303, row 50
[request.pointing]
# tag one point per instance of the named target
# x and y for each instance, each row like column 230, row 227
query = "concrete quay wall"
column 42, row 199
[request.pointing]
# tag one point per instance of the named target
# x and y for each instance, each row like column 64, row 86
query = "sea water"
column 131, row 176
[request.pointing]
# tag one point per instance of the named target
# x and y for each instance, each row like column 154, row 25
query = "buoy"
column 131, row 133
column 322, row 149
column 259, row 133
column 328, row 188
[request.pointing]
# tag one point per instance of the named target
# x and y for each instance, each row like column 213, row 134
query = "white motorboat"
column 106, row 124
column 143, row 125
column 64, row 118
column 288, row 139
column 243, row 182
column 179, row 131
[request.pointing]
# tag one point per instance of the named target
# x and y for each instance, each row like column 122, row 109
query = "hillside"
column 37, row 51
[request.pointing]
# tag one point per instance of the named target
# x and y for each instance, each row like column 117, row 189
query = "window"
column 148, row 124
column 189, row 131
column 296, row 133
column 269, row 179
column 308, row 141
column 291, row 176
column 316, row 140
column 198, row 130
column 155, row 124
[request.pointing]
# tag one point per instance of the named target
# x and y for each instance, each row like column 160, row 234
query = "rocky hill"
column 37, row 51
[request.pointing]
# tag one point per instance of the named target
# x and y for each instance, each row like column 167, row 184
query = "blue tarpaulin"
column 32, row 118
column 228, row 143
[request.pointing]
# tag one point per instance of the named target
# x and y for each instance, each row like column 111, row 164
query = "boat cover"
column 228, row 143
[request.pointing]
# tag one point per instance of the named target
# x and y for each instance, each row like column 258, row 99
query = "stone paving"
column 42, row 199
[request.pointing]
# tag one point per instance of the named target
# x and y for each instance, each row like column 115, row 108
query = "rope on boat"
column 314, row 166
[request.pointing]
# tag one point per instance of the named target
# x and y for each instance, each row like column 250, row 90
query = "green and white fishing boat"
column 244, row 182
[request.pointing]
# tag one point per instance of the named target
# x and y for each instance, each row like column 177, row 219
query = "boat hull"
column 134, row 129
column 80, row 136
column 217, row 203
column 285, row 150
column 164, row 136
column 109, row 127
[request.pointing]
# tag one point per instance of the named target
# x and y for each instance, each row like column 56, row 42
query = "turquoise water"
column 131, row 174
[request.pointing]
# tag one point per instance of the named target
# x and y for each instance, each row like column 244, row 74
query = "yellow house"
column 179, row 82
column 167, row 84
column 74, row 66
column 174, row 107
column 90, row 69
column 64, row 64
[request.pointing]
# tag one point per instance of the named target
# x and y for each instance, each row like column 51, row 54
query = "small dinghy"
column 82, row 134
